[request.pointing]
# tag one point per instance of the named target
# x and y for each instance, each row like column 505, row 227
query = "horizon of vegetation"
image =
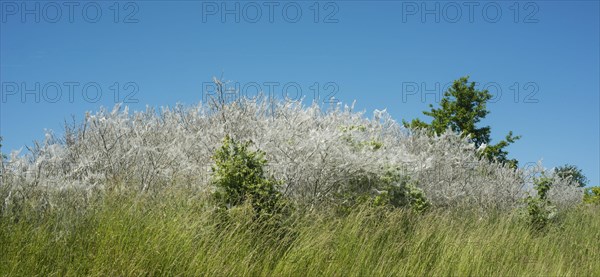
column 272, row 187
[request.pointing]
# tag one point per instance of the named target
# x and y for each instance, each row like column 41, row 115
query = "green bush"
column 392, row 189
column 239, row 177
column 592, row 195
column 401, row 191
column 539, row 208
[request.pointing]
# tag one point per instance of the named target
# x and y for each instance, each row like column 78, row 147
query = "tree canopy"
column 572, row 172
column 461, row 109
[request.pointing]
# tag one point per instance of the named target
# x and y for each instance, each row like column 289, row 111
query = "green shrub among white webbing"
column 317, row 154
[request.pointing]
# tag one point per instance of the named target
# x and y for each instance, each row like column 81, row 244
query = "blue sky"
column 540, row 60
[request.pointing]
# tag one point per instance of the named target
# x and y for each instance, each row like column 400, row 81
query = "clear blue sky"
column 372, row 51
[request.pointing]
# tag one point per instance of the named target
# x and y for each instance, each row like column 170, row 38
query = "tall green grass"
column 177, row 234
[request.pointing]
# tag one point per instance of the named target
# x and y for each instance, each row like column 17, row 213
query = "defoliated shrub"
column 239, row 177
column 371, row 143
column 319, row 154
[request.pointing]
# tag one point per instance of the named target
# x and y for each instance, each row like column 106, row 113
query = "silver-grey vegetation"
column 134, row 194
column 317, row 153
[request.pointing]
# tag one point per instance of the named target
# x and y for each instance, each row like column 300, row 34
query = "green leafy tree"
column 572, row 172
column 240, row 178
column 461, row 109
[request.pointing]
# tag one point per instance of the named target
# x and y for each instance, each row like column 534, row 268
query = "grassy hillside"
column 279, row 189
column 175, row 233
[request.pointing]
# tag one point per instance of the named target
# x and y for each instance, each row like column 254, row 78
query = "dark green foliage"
column 461, row 108
column 239, row 177
column 572, row 172
column 497, row 151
